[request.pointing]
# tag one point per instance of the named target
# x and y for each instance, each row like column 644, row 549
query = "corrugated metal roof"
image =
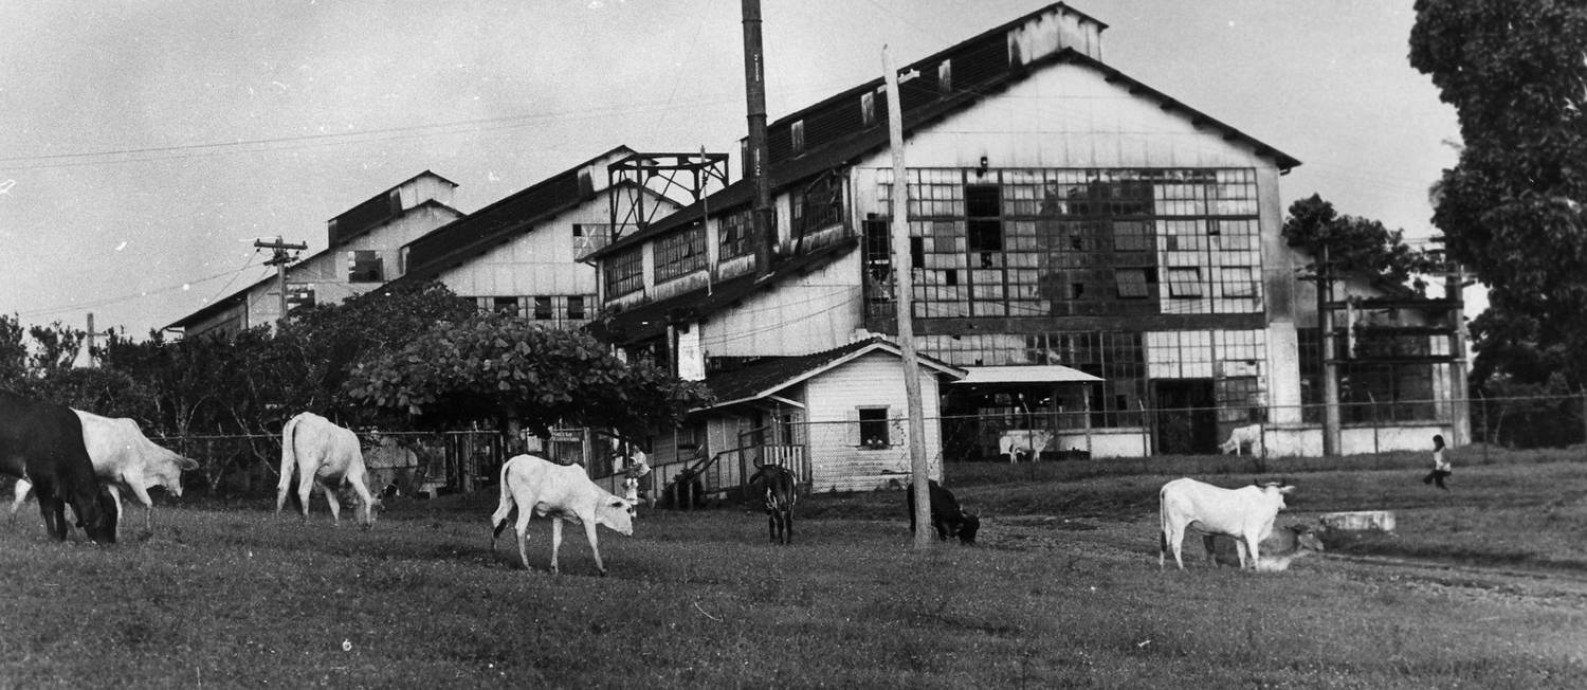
column 861, row 142
column 773, row 374
column 476, row 233
column 1030, row 373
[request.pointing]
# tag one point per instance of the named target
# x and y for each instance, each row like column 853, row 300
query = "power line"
column 186, row 151
column 133, row 295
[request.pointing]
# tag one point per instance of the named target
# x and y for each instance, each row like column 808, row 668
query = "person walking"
column 1441, row 469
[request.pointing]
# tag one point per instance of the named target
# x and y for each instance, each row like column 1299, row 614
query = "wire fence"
column 408, row 463
column 863, row 454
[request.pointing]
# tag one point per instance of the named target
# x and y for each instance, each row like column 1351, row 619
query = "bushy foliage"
column 500, row 366
column 1512, row 208
column 1354, row 245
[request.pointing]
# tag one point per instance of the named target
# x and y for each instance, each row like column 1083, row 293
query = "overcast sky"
column 145, row 145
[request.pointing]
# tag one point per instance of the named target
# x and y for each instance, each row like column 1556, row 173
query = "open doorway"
column 1187, row 417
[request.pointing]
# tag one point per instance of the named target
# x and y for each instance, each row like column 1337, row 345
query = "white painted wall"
column 327, row 270
column 834, row 397
column 537, row 261
column 811, row 313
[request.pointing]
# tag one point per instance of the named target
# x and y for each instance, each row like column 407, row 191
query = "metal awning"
column 1038, row 373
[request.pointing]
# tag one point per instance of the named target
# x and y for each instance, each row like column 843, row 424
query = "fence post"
column 1584, row 420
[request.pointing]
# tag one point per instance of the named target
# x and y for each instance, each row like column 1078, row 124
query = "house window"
column 300, row 295
column 576, row 307
column 732, row 235
column 1184, row 282
column 873, row 428
column 363, row 266
column 796, row 132
column 868, row 108
column 1236, row 282
column 588, row 237
column 945, row 76
column 625, row 272
column 817, row 206
column 1132, row 283
column 542, row 309
column 680, row 253
column 1131, row 236
column 984, row 207
column 504, row 305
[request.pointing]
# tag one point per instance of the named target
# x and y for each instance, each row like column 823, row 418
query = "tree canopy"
column 501, row 366
column 1511, row 209
column 1354, row 244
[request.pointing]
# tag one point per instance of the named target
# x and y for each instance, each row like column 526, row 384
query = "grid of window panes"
column 625, row 272
column 588, row 237
column 680, row 253
column 1094, row 242
column 1114, row 356
column 732, row 234
column 816, row 206
column 559, row 309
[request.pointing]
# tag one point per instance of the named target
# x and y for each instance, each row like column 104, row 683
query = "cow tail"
column 288, row 453
column 504, row 508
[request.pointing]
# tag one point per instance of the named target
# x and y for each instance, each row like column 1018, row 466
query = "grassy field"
column 1484, row 586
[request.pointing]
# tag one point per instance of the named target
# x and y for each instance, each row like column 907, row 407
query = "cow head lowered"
column 532, row 486
column 947, row 516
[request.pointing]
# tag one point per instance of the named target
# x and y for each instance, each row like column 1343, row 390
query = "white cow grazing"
column 1245, row 513
column 536, row 486
column 321, row 451
column 1240, row 437
column 127, row 460
column 1016, row 441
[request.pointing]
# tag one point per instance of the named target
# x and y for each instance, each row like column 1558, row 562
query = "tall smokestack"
column 765, row 238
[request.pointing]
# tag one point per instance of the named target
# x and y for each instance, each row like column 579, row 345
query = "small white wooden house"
column 838, row 418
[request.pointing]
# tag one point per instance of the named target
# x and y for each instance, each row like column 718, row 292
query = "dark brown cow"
column 43, row 443
column 779, row 489
column 946, row 516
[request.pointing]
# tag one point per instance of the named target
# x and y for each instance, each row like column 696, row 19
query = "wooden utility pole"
column 1325, row 324
column 764, row 234
column 280, row 259
column 1460, row 407
column 93, row 335
column 919, row 465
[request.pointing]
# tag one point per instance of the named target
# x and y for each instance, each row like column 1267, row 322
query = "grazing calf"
column 536, row 486
column 1240, row 437
column 1246, row 514
column 1285, row 544
column 319, row 451
column 1017, row 442
column 946, row 516
column 777, row 486
column 43, row 444
column 124, row 459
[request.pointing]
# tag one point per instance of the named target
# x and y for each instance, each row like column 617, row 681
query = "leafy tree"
column 505, row 368
column 58, row 347
column 1355, row 245
column 317, row 348
column 1511, row 209
column 13, row 352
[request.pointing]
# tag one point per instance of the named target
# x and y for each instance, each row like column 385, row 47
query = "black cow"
column 43, row 443
column 946, row 516
column 777, row 485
